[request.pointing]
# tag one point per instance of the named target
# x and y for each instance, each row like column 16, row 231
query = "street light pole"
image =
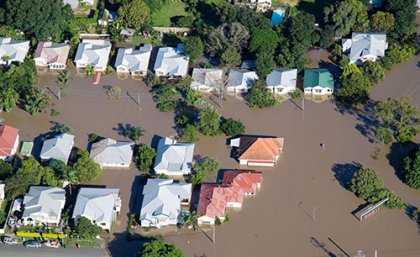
column 313, row 212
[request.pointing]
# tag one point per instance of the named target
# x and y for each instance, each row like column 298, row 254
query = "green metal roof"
column 318, row 77
column 26, row 148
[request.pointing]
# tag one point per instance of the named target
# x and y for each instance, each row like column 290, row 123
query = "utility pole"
column 303, row 102
column 138, row 101
column 59, row 94
column 214, row 233
column 313, row 212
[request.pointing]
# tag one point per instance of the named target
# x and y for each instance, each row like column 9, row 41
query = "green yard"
column 162, row 18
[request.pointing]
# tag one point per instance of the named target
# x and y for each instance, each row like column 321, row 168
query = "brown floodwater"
column 302, row 208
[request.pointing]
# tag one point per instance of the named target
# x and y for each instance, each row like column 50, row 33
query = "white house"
column 43, row 205
column 282, row 81
column 173, row 158
column 362, row 47
column 99, row 205
column 170, row 62
column 9, row 142
column 14, row 50
column 135, row 62
column 240, row 80
column 207, row 80
column 162, row 201
column 58, row 148
column 93, row 51
column 318, row 82
column 109, row 153
column 52, row 55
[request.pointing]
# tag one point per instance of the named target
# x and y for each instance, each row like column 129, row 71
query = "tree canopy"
column 412, row 170
column 259, row 96
column 134, row 14
column 145, row 157
column 194, row 47
column 232, row 127
column 209, row 122
column 86, row 230
column 156, row 248
column 86, row 169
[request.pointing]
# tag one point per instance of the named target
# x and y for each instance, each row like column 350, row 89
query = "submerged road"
column 21, row 251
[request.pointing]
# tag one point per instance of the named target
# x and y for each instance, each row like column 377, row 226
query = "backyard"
column 162, row 17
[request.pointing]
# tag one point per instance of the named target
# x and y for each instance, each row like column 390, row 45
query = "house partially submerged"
column 12, row 50
column 257, row 151
column 362, row 47
column 133, row 61
column 240, row 80
column 94, row 52
column 162, row 202
column 170, row 62
column 52, row 55
column 173, row 158
column 9, row 141
column 207, row 80
column 215, row 198
column 57, row 148
column 99, row 205
column 43, row 204
column 109, row 153
column 282, row 81
column 318, row 82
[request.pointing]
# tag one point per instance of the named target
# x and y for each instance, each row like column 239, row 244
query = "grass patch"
column 285, row 3
column 82, row 243
column 162, row 18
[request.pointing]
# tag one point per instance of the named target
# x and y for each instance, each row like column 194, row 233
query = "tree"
column 135, row 133
column 18, row 184
column 145, row 157
column 8, row 99
column 189, row 134
column 193, row 98
column 383, row 21
column 6, row 59
column 151, row 80
column 374, row 71
column 404, row 12
column 156, row 248
column 6, row 170
column 36, row 101
column 86, row 169
column 189, row 220
column 90, row 69
column 227, row 35
column 265, row 63
column 231, row 57
column 134, row 14
column 49, row 178
column 263, row 40
column 412, row 170
column 209, row 122
column 194, row 48
column 247, row 17
column 39, row 19
column 232, row 127
column 167, row 98
column 401, row 119
column 354, row 89
column 63, row 171
column 63, row 128
column 259, row 96
column 394, row 200
column 203, row 169
column 86, row 230
column 367, row 185
column 327, row 37
column 63, row 78
column 350, row 69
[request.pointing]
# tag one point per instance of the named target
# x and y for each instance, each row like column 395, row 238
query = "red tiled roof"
column 235, row 184
column 52, row 52
column 263, row 149
column 8, row 137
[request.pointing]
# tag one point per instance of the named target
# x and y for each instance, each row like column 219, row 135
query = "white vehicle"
column 10, row 241
column 52, row 244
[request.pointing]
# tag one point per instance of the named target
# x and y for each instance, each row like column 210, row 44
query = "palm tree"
column 90, row 69
column 190, row 220
column 6, row 59
column 135, row 133
column 64, row 77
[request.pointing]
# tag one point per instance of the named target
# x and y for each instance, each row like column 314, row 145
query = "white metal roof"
column 112, row 151
column 44, row 200
column 170, row 62
column 282, row 77
column 134, row 60
column 93, row 51
column 364, row 44
column 173, row 156
column 15, row 49
column 241, row 78
column 58, row 148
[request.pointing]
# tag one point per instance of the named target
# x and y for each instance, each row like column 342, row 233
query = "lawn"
column 162, row 18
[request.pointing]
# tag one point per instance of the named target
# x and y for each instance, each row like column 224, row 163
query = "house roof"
column 318, row 78
column 58, row 147
column 112, row 151
column 241, row 77
column 172, row 156
column 52, row 52
column 363, row 44
column 134, row 60
column 212, row 201
column 8, row 136
column 246, row 180
column 127, row 32
column 163, row 197
column 97, row 204
column 171, row 62
column 45, row 200
column 259, row 148
column 15, row 49
column 208, row 77
column 93, row 51
column 282, row 77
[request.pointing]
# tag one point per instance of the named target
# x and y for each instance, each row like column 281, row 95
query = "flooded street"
column 302, row 208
